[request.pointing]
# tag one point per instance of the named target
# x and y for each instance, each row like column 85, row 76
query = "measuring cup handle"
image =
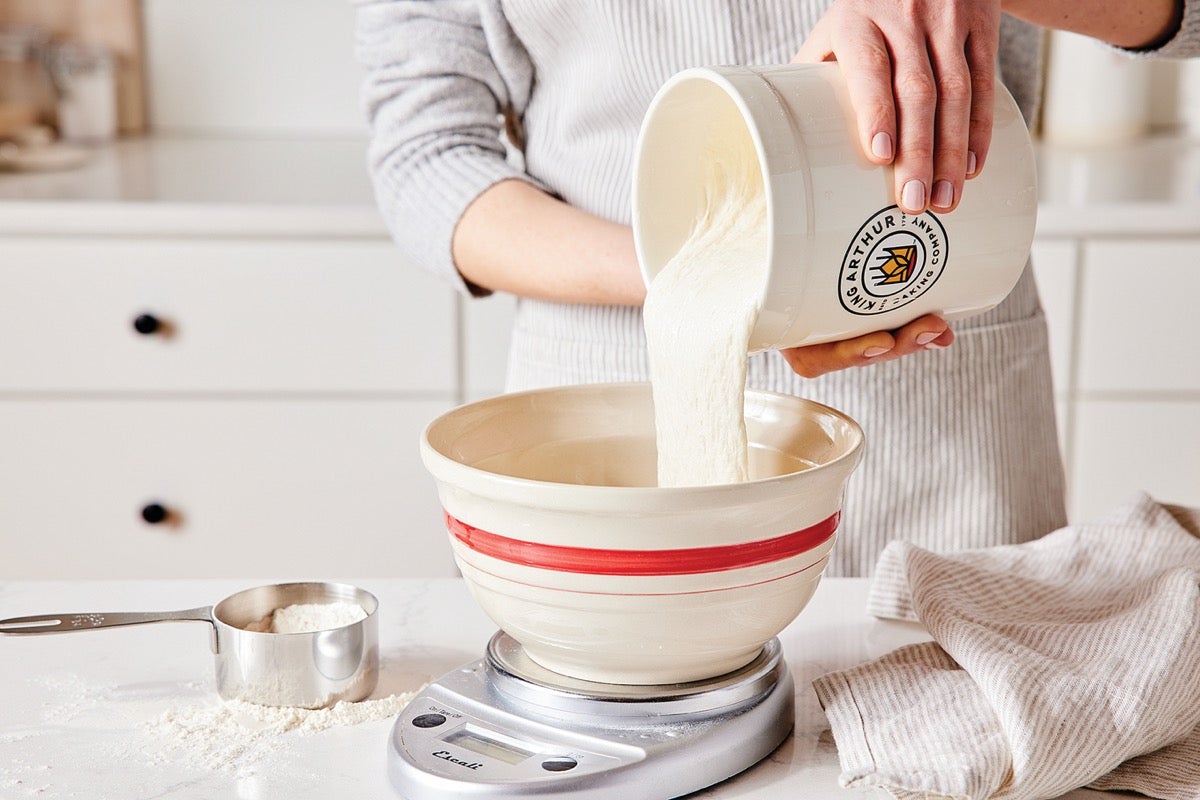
column 66, row 623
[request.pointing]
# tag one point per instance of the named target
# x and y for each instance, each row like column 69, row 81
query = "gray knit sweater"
column 962, row 444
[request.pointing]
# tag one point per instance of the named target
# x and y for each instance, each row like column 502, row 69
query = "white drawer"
column 1125, row 447
column 487, row 332
column 239, row 315
column 1054, row 269
column 1138, row 329
column 306, row 488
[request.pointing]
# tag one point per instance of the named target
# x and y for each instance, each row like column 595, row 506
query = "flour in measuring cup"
column 309, row 617
column 699, row 313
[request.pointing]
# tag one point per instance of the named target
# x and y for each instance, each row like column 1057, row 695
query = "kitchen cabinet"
column 487, row 327
column 1126, row 366
column 193, row 385
column 1137, row 306
column 1055, row 267
column 220, row 315
column 298, row 486
column 1116, row 258
column 1137, row 393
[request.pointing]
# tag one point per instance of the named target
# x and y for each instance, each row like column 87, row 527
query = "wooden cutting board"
column 117, row 24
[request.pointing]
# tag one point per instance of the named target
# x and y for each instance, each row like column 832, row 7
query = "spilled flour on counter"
column 309, row 617
column 699, row 313
column 233, row 736
column 85, row 740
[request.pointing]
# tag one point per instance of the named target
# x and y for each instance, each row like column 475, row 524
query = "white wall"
column 272, row 67
column 259, row 67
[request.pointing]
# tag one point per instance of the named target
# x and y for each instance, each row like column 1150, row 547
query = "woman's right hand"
column 921, row 76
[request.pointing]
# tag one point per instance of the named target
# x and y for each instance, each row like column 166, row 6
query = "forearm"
column 515, row 238
column 1124, row 23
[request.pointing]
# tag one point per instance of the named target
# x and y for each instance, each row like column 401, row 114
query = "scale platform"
column 505, row 727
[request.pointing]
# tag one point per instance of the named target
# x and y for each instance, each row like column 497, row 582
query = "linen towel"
column 1059, row 663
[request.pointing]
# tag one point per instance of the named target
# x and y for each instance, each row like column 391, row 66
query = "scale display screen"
column 487, row 746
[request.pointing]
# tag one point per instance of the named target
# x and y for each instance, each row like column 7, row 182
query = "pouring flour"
column 699, row 313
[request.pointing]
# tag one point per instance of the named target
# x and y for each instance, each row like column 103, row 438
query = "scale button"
column 429, row 720
column 559, row 764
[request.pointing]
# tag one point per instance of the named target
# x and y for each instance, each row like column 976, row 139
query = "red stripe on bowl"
column 600, row 561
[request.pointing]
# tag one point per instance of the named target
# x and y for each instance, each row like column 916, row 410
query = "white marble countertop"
column 77, row 710
column 179, row 186
column 182, row 186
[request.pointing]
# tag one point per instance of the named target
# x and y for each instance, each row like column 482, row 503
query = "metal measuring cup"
column 307, row 670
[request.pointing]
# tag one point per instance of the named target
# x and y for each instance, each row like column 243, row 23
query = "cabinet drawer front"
column 487, row 332
column 1137, row 316
column 1128, row 447
column 240, row 315
column 1054, row 269
column 304, row 488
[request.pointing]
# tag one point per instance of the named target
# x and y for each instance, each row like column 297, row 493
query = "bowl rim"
column 573, row 495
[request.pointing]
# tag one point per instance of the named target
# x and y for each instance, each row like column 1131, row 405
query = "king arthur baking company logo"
column 892, row 260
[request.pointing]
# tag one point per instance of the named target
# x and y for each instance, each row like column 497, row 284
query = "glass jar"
column 86, row 80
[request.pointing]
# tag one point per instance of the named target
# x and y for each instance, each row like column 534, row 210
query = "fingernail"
column 943, row 194
column 972, row 162
column 875, row 352
column 932, row 346
column 913, row 196
column 927, row 337
column 881, row 146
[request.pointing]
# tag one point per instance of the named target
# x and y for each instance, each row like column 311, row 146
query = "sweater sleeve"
column 1184, row 41
column 440, row 77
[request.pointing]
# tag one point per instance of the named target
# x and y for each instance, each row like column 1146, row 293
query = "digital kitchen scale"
column 505, row 727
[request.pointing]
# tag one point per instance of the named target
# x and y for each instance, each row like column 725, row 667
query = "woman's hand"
column 921, row 76
column 923, row 333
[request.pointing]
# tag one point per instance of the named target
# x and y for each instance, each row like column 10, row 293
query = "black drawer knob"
column 155, row 513
column 146, row 324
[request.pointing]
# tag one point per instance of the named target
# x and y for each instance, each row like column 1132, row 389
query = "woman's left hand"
column 923, row 333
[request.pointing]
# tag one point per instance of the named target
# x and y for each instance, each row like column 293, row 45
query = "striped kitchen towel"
column 1069, row 661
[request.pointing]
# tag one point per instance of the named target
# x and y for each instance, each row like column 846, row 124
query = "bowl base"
column 550, row 665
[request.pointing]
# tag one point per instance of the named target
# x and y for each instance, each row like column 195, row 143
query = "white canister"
column 842, row 258
column 85, row 75
column 1189, row 98
column 1095, row 94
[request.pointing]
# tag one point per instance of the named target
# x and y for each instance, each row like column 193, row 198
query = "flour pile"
column 232, row 736
column 191, row 739
column 699, row 313
column 309, row 617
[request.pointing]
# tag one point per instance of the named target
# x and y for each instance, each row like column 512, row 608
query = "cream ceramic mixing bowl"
column 570, row 548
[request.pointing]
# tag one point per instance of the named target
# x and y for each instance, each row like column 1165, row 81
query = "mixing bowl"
column 569, row 546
